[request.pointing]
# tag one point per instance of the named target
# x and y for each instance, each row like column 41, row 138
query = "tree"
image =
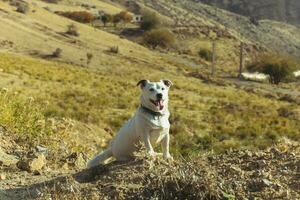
column 159, row 37
column 106, row 18
column 150, row 21
column 277, row 67
column 116, row 19
column 125, row 16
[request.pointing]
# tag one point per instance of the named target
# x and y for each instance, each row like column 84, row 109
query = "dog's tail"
column 100, row 158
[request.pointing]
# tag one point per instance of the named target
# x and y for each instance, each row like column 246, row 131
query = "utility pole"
column 241, row 67
column 213, row 62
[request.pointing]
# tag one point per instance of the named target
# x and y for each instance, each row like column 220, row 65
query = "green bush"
column 150, row 21
column 277, row 67
column 159, row 37
column 106, row 18
column 57, row 53
column 72, row 30
column 24, row 118
column 205, row 54
column 22, row 7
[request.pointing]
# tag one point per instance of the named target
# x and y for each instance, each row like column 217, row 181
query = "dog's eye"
column 162, row 88
column 151, row 90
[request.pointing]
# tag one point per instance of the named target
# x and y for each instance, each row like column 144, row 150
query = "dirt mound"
column 269, row 174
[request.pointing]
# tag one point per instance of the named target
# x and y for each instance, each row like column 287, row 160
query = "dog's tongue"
column 160, row 104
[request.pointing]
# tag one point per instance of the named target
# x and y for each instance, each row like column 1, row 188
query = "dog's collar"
column 151, row 112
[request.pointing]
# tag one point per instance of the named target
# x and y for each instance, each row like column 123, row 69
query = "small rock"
column 42, row 150
column 2, row 176
column 37, row 172
column 32, row 164
column 262, row 163
column 267, row 183
column 6, row 159
column 76, row 160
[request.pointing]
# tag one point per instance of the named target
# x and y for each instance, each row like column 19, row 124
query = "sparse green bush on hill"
column 150, row 21
column 72, row 30
column 24, row 118
column 106, row 18
column 22, row 7
column 205, row 54
column 114, row 49
column 57, row 53
column 277, row 67
column 159, row 38
column 89, row 57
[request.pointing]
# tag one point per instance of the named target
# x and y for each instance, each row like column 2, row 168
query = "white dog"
column 149, row 125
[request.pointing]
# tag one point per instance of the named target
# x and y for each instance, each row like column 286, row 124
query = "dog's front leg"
column 165, row 147
column 146, row 140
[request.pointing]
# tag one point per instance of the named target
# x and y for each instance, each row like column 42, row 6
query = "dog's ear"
column 142, row 83
column 167, row 82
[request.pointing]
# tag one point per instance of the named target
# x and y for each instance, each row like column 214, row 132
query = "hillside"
column 198, row 19
column 59, row 111
column 279, row 10
column 273, row 173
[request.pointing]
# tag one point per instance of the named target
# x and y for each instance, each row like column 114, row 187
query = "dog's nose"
column 159, row 95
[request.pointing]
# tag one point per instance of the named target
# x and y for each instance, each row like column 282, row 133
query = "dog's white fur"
column 149, row 125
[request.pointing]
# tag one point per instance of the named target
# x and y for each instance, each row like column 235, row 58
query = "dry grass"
column 214, row 118
column 234, row 175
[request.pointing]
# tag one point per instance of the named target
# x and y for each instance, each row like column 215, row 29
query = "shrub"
column 72, row 30
column 114, row 49
column 24, row 119
column 79, row 16
column 205, row 54
column 159, row 37
column 116, row 19
column 51, row 1
column 57, row 53
column 89, row 57
column 22, row 7
column 125, row 16
column 106, row 18
column 254, row 21
column 277, row 67
column 150, row 21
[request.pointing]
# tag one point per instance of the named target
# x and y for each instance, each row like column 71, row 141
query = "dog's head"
column 155, row 94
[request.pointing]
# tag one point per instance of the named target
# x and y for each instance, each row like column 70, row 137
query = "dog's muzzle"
column 159, row 103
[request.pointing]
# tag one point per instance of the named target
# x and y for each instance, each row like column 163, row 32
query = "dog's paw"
column 152, row 153
column 168, row 157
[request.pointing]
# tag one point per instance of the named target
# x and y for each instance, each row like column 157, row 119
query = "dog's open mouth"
column 158, row 103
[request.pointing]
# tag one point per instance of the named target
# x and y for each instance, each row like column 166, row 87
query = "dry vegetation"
column 269, row 174
column 77, row 107
column 215, row 118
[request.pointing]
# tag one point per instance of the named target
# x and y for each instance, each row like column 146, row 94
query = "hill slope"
column 275, row 36
column 68, row 109
column 280, row 10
